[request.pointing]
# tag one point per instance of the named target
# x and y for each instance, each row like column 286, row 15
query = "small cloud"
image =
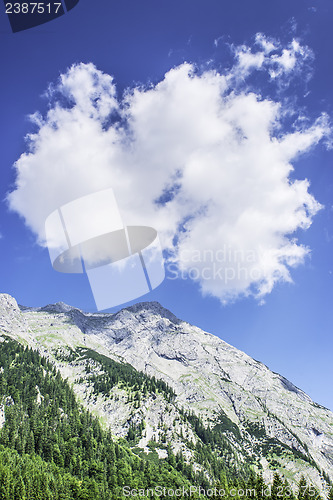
column 218, row 40
column 266, row 43
column 328, row 235
column 283, row 63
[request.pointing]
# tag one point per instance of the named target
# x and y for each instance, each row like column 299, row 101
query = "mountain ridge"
column 278, row 422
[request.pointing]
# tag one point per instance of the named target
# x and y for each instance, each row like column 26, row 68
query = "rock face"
column 11, row 321
column 272, row 424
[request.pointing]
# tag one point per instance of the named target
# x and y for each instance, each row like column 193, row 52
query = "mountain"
column 210, row 400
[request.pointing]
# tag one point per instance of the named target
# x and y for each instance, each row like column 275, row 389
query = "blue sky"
column 139, row 43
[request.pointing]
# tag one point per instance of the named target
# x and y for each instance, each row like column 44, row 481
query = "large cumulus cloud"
column 205, row 164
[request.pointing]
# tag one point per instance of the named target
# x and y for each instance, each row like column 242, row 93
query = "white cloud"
column 215, row 159
column 267, row 44
column 270, row 55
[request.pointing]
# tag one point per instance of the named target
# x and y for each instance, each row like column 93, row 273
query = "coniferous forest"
column 53, row 448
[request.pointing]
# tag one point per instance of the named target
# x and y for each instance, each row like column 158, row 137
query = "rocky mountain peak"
column 58, row 307
column 8, row 303
column 145, row 309
column 11, row 320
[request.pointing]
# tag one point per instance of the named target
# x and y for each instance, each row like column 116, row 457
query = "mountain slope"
column 51, row 448
column 268, row 422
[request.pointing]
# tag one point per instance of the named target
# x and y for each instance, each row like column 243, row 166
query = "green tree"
column 305, row 492
column 19, row 489
column 277, row 487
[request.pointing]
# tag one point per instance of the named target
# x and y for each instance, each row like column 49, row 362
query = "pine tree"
column 19, row 489
column 171, row 456
column 277, row 487
column 260, row 487
column 303, row 490
column 30, row 443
